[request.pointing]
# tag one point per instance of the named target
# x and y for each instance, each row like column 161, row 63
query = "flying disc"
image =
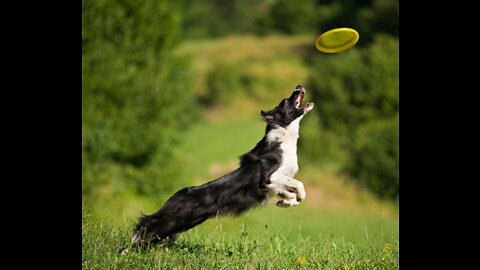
column 337, row 40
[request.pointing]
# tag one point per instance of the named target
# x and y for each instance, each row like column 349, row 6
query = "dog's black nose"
column 299, row 87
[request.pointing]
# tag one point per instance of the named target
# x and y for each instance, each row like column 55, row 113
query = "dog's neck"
column 285, row 135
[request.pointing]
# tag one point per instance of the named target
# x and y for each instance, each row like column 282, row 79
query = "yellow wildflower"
column 302, row 260
column 346, row 267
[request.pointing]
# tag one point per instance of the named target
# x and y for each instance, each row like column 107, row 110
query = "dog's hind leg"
column 173, row 236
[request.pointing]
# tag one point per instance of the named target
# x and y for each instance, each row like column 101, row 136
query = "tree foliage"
column 357, row 99
column 136, row 97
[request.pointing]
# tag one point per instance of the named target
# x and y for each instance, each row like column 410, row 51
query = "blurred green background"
column 172, row 91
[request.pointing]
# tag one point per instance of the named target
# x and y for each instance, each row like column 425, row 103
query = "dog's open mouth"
column 298, row 102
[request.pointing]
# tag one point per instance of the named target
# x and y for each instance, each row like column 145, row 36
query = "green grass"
column 266, row 238
column 338, row 226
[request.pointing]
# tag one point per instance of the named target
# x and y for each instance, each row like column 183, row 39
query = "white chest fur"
column 288, row 138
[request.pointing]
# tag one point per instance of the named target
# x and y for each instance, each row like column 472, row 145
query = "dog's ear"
column 267, row 116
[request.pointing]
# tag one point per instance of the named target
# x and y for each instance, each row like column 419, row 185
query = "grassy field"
column 339, row 226
column 268, row 238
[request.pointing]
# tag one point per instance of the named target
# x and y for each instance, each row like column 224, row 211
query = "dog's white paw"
column 301, row 194
column 282, row 204
column 287, row 203
column 298, row 190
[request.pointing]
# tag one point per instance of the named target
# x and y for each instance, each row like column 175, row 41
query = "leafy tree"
column 292, row 17
column 356, row 96
column 375, row 156
column 136, row 97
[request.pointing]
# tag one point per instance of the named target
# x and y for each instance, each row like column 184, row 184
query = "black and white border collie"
column 265, row 172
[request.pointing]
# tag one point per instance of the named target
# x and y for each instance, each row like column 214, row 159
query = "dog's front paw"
column 301, row 194
column 287, row 203
column 282, row 204
column 298, row 190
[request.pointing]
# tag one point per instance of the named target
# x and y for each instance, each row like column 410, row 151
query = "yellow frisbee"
column 337, row 40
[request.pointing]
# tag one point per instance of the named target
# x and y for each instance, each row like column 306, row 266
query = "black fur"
column 233, row 193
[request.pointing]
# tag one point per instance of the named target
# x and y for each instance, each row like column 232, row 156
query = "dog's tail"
column 138, row 236
column 141, row 236
column 143, row 232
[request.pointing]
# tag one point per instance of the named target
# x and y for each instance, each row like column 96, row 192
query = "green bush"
column 319, row 146
column 375, row 156
column 293, row 17
column 136, row 97
column 369, row 18
column 223, row 81
column 356, row 99
column 217, row 18
column 357, row 86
